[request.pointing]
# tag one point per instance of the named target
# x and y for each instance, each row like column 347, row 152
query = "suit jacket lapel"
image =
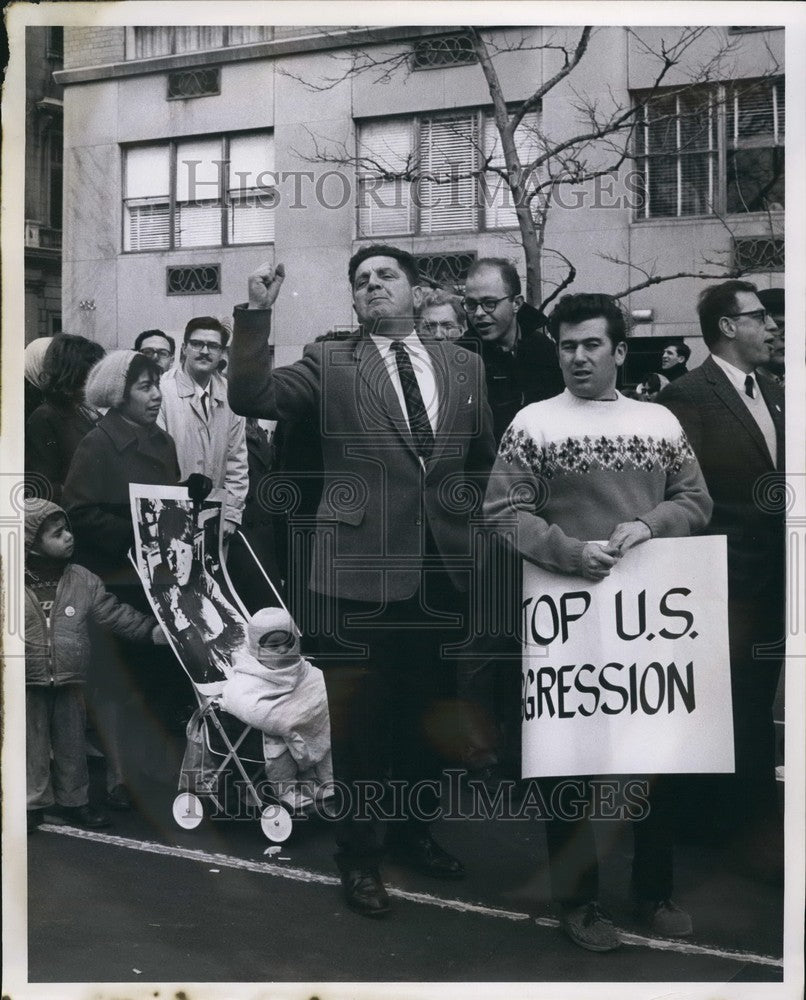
column 381, row 395
column 774, row 398
column 730, row 397
column 448, row 399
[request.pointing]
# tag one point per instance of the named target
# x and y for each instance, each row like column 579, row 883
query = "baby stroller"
column 216, row 742
column 202, row 616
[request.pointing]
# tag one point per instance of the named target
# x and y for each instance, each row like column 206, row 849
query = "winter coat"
column 288, row 702
column 214, row 446
column 52, row 434
column 114, row 454
column 285, row 696
column 529, row 373
column 60, row 655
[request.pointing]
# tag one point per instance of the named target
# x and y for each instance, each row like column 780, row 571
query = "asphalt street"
column 147, row 901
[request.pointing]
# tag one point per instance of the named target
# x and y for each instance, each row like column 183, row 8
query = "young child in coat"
column 61, row 598
column 276, row 690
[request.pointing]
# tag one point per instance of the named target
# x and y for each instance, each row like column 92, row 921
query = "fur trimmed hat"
column 106, row 381
column 36, row 512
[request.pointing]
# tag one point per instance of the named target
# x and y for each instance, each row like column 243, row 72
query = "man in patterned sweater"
column 592, row 464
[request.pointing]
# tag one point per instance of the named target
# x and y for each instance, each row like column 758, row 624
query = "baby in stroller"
column 274, row 689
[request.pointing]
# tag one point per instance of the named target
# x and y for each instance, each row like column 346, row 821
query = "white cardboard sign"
column 630, row 674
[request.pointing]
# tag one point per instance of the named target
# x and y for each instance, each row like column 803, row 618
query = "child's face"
column 55, row 540
column 279, row 640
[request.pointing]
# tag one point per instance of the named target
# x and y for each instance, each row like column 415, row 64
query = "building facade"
column 43, row 182
column 193, row 154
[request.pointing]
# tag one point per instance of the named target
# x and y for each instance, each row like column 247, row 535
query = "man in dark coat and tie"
column 735, row 423
column 407, row 445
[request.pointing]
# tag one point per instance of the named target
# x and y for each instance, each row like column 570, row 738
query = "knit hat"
column 36, row 512
column 34, row 359
column 270, row 620
column 106, row 381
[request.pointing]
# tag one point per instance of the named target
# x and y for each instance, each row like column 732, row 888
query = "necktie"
column 204, row 403
column 749, row 389
column 419, row 423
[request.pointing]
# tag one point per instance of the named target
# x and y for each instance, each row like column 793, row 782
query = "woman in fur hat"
column 126, row 446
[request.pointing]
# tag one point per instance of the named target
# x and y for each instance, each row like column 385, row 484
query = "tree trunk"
column 531, row 248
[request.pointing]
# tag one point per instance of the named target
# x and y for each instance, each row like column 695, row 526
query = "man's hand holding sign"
column 610, row 627
column 598, row 560
column 630, row 674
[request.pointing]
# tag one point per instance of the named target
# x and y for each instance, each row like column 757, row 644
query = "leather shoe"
column 92, row 819
column 364, row 892
column 425, row 855
column 119, row 798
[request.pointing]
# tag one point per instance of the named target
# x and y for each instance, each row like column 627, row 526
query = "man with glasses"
column 735, row 423
column 158, row 346
column 521, row 367
column 519, row 359
column 442, row 315
column 210, row 438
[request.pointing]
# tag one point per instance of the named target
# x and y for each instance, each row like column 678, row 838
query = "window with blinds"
column 147, row 42
column 428, row 175
column 449, row 165
column 386, row 163
column 499, row 205
column 755, row 125
column 717, row 149
column 215, row 191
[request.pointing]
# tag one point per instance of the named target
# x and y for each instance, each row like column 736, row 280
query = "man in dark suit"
column 406, row 441
column 735, row 423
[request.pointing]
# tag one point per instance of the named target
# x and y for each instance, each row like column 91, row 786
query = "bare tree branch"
column 533, row 103
column 602, row 136
column 569, row 279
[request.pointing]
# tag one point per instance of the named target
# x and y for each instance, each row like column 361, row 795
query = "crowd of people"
column 445, row 420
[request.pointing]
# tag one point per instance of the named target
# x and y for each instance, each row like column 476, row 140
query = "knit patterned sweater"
column 569, row 470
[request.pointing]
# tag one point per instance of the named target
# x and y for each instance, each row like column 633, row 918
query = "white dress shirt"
column 204, row 403
column 423, row 370
column 757, row 406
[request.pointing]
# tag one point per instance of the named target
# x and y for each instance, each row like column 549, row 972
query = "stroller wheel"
column 188, row 811
column 275, row 821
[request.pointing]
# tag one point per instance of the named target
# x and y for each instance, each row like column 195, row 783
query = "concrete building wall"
column 43, row 223
column 112, row 295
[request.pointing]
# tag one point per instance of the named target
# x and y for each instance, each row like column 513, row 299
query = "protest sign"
column 629, row 674
column 179, row 560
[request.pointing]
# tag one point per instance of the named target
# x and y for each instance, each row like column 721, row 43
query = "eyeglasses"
column 153, row 352
column 209, row 345
column 488, row 305
column 449, row 329
column 760, row 314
